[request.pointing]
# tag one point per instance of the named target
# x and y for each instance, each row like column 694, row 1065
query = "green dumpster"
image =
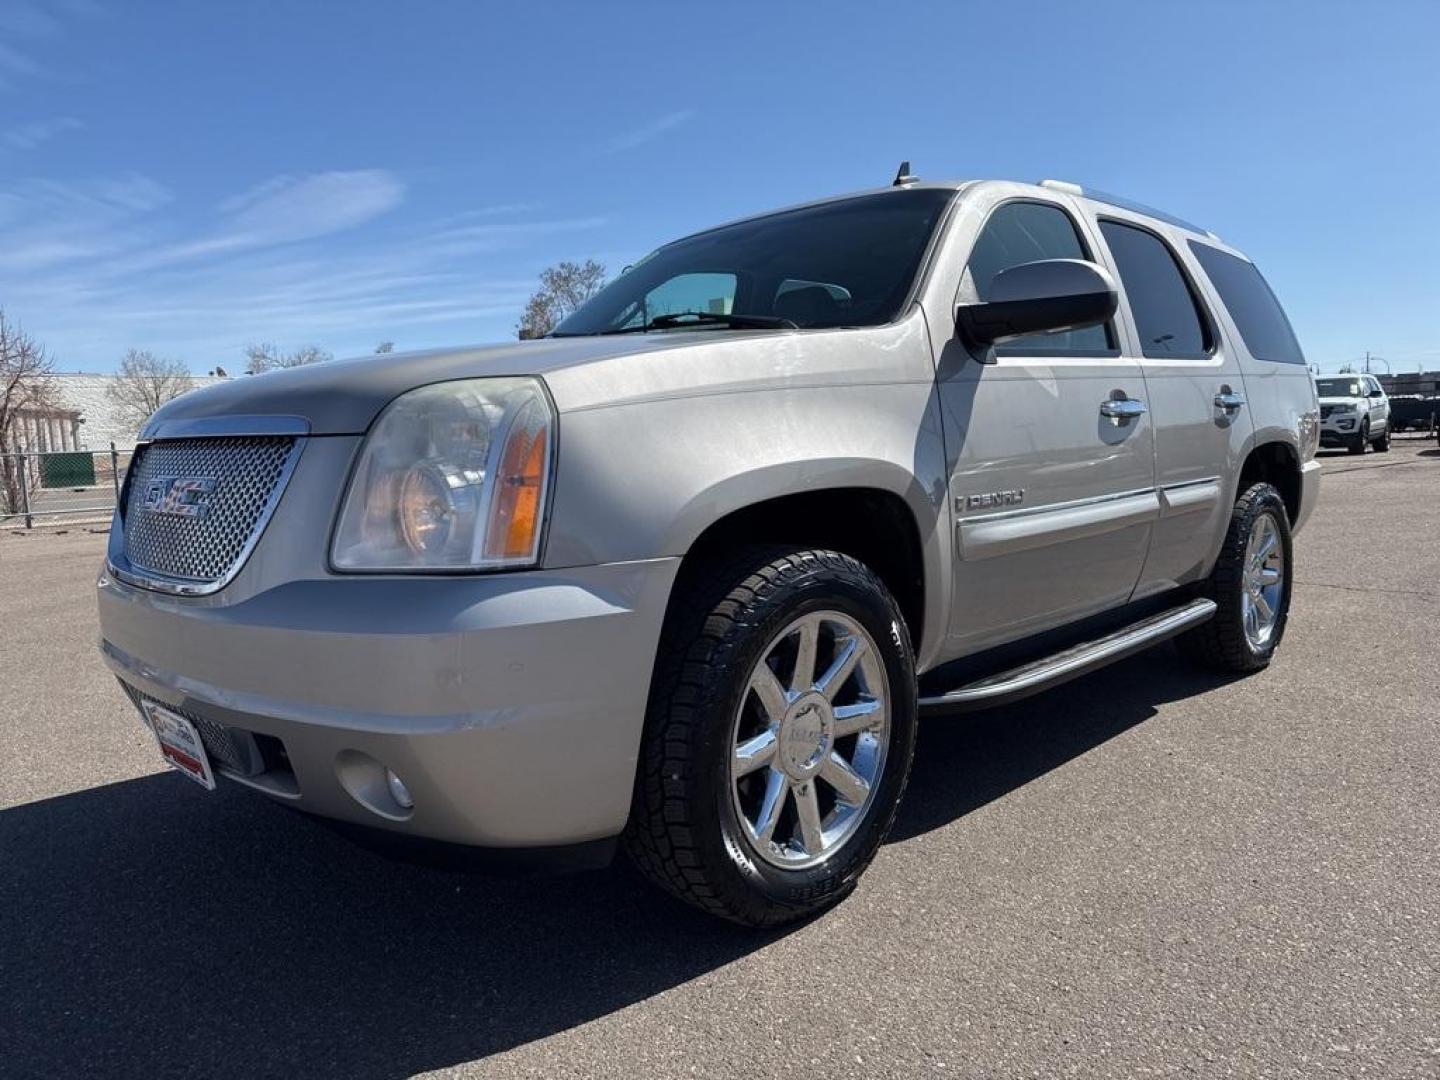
column 67, row 470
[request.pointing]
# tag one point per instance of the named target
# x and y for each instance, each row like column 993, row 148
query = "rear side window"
column 1167, row 314
column 1257, row 314
column 1021, row 232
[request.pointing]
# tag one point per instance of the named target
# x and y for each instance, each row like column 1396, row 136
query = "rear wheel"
column 1250, row 585
column 1382, row 443
column 779, row 736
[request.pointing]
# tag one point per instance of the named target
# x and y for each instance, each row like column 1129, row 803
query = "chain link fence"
column 61, row 487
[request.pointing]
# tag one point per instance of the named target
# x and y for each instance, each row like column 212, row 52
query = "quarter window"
column 1021, row 232
column 1257, row 314
column 1166, row 311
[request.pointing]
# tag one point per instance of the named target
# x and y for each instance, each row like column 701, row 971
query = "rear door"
column 1195, row 390
column 1053, row 500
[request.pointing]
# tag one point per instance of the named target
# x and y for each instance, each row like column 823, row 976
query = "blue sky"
column 190, row 177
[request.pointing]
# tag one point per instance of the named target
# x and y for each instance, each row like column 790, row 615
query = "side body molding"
column 1024, row 530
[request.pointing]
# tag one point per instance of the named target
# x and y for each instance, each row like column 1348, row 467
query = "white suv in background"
column 1353, row 411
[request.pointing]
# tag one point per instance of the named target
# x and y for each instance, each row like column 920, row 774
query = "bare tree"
column 563, row 288
column 143, row 383
column 384, row 347
column 24, row 385
column 268, row 357
column 306, row 354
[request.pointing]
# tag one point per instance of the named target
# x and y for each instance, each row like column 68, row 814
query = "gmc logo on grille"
column 179, row 496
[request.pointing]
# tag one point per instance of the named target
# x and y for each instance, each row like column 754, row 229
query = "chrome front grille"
column 194, row 508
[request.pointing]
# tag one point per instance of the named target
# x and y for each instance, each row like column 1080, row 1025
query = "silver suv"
column 1354, row 413
column 685, row 575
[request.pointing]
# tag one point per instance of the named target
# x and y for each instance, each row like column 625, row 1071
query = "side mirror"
column 1377, row 393
column 1038, row 297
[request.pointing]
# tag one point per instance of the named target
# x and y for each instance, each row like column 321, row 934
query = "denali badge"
column 992, row 499
column 179, row 496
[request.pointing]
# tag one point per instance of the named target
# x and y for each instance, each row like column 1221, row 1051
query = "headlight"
column 451, row 477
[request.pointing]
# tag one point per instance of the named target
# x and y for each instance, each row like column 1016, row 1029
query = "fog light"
column 398, row 791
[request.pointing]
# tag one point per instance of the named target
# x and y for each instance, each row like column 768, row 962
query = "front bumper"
column 1339, row 430
column 1309, row 493
column 510, row 705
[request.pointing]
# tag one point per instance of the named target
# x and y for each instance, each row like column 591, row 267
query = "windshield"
column 1339, row 388
column 844, row 263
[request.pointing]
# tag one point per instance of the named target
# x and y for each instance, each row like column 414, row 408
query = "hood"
column 342, row 397
column 1342, row 399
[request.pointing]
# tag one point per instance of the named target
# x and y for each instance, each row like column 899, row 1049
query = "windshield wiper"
column 679, row 319
column 739, row 322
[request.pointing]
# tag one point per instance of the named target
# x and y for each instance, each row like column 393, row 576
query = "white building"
column 82, row 417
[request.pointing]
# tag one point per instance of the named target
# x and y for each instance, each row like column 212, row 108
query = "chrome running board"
column 1069, row 664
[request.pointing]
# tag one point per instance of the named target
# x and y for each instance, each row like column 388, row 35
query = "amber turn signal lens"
column 515, row 522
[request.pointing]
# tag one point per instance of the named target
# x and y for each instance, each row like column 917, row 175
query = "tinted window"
column 1021, row 232
column 1257, row 314
column 1165, row 310
column 845, row 263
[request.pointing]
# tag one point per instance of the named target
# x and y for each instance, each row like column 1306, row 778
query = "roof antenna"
column 902, row 176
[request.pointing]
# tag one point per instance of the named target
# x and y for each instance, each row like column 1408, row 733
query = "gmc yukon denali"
column 682, row 577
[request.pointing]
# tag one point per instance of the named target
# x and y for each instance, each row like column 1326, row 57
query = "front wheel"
column 1250, row 585
column 779, row 736
column 1358, row 441
column 1382, row 442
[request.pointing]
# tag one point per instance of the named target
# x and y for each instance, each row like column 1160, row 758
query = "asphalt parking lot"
column 1150, row 872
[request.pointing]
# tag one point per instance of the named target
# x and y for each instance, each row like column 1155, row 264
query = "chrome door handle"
column 1229, row 401
column 1122, row 410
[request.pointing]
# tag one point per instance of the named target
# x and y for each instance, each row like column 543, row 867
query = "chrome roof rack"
column 1125, row 204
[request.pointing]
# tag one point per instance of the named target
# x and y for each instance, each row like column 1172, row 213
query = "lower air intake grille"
column 231, row 748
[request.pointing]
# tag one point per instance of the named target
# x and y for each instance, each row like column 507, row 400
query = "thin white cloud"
column 292, row 208
column 29, row 136
column 653, row 130
column 287, row 209
column 474, row 239
column 486, row 213
column 47, row 222
column 98, row 267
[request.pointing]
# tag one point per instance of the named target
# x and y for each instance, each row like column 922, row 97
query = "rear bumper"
column 510, row 705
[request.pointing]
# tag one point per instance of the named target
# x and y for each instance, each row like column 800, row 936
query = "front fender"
column 644, row 480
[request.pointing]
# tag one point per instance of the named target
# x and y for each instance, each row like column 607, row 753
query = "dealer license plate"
column 180, row 744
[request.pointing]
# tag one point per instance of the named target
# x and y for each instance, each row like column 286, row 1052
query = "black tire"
column 1358, row 441
column 1381, row 444
column 1221, row 644
column 684, row 833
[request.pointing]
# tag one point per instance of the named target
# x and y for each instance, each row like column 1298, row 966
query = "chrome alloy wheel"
column 809, row 740
column 1263, row 581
